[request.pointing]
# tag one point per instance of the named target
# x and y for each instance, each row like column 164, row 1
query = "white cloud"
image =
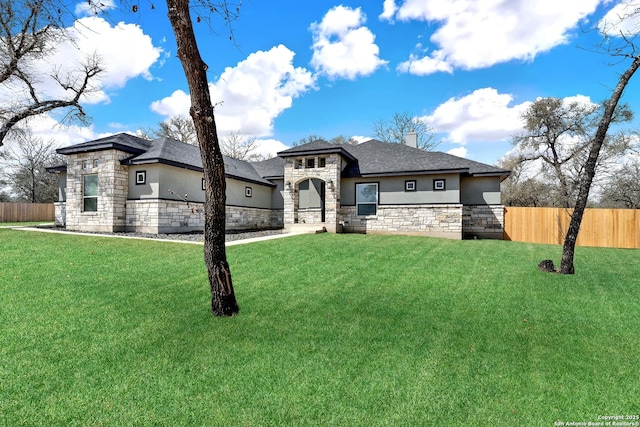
column 622, row 20
column 483, row 115
column 50, row 129
column 360, row 139
column 249, row 96
column 92, row 7
column 389, row 9
column 482, row 33
column 269, row 147
column 458, row 151
column 124, row 52
column 342, row 47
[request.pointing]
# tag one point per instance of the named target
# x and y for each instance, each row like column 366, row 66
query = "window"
column 322, row 162
column 410, row 185
column 311, row 163
column 439, row 185
column 141, row 177
column 299, row 163
column 367, row 198
column 96, row 163
column 85, row 164
column 247, row 191
column 90, row 193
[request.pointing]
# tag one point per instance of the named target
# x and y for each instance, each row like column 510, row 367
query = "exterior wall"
column 427, row 220
column 483, row 222
column 237, row 196
column 391, row 190
column 112, row 191
column 330, row 174
column 171, row 216
column 60, row 216
column 277, row 195
column 480, row 190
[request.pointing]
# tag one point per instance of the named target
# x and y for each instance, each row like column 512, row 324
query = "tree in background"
column 239, row 147
column 29, row 30
column 558, row 136
column 622, row 189
column 521, row 188
column 25, row 160
column 395, row 130
column 180, row 128
column 337, row 140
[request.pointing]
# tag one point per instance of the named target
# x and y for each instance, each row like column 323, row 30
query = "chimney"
column 412, row 139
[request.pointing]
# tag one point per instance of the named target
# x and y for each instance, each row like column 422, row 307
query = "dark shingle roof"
column 166, row 151
column 316, row 147
column 175, row 153
column 121, row 141
column 380, row 158
column 271, row 168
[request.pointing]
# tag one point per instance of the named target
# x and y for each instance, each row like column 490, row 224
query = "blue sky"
column 468, row 69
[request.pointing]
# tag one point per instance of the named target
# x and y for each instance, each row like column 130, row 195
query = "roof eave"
column 318, row 151
column 99, row 147
column 405, row 173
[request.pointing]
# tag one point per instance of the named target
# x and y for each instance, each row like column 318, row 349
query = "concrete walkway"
column 120, row 236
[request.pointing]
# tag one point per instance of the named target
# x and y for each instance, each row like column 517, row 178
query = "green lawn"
column 348, row 330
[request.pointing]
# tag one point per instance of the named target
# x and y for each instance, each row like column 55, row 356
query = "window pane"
column 91, row 204
column 90, row 187
column 367, row 193
column 366, row 209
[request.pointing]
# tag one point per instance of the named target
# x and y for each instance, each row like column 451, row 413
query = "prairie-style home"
column 126, row 183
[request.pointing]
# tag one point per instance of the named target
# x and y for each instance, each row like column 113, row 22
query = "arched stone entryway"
column 310, row 203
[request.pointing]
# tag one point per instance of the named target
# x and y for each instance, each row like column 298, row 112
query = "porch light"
column 331, row 185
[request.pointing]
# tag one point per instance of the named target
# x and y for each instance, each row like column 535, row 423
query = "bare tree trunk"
column 566, row 264
column 223, row 300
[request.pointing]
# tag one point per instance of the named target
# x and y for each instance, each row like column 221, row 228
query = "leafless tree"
column 180, row 128
column 29, row 29
column 239, row 147
column 558, row 135
column 395, row 130
column 24, row 162
column 622, row 190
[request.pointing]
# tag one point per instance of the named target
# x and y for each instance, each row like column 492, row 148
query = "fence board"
column 26, row 212
column 611, row 228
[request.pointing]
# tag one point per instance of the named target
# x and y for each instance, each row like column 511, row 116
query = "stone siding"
column 483, row 222
column 60, row 213
column 112, row 191
column 330, row 174
column 169, row 216
column 426, row 220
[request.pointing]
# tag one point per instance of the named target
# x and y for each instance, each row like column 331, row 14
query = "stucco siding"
column 480, row 190
column 391, row 190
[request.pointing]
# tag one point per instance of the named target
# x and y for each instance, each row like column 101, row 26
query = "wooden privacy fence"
column 611, row 228
column 26, row 212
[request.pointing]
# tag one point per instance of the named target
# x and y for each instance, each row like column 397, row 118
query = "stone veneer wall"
column 483, row 222
column 310, row 216
column 329, row 173
column 112, row 191
column 60, row 213
column 427, row 220
column 169, row 216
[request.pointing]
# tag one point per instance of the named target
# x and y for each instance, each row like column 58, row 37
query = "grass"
column 333, row 330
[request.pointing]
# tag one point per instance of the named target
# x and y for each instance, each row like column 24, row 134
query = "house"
column 126, row 183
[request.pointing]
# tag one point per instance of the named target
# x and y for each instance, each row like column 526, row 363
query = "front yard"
column 333, row 330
